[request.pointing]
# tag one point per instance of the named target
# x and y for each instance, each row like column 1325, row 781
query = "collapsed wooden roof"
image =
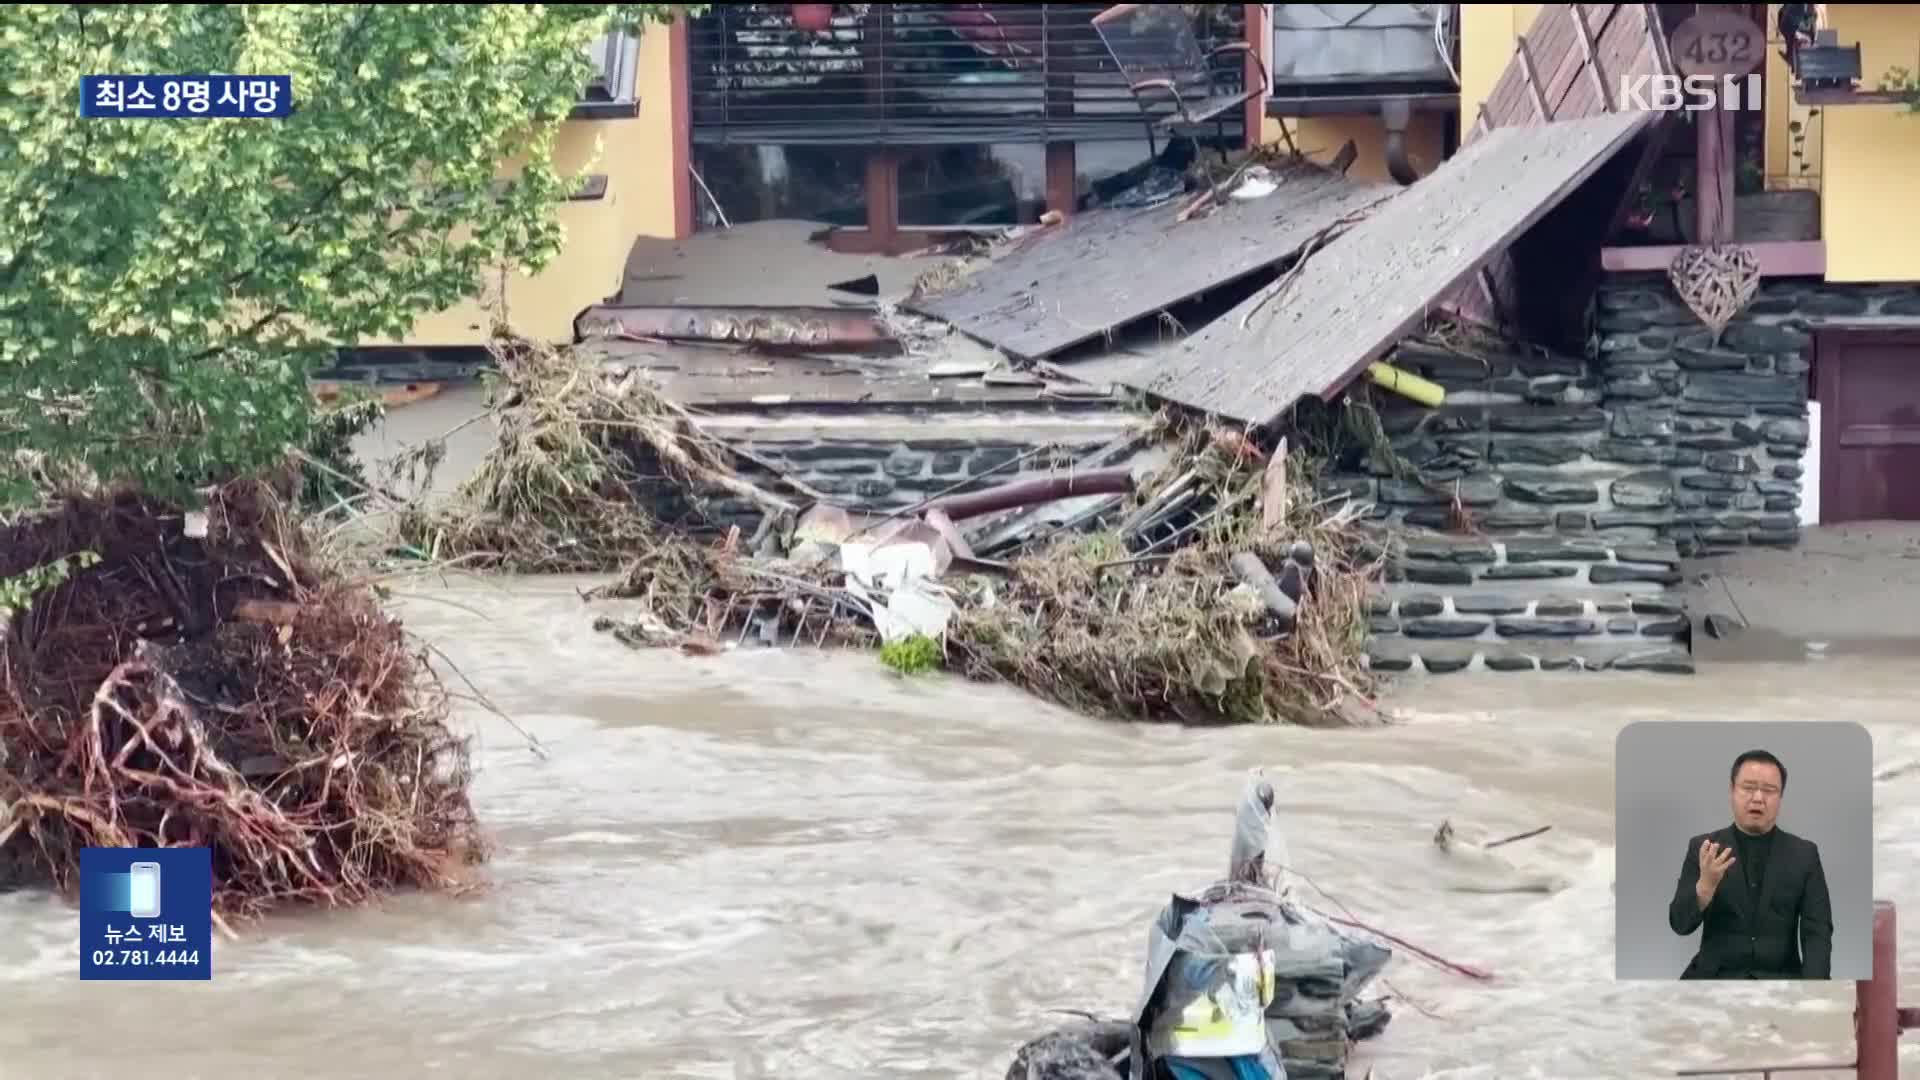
column 1340, row 308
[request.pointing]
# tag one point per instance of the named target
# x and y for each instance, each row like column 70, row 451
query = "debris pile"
column 562, row 491
column 1209, row 597
column 203, row 680
column 1211, row 589
column 1242, row 981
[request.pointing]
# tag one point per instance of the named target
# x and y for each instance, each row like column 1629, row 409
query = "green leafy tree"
column 167, row 285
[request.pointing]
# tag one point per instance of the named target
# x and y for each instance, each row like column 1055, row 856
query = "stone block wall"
column 885, row 460
column 1658, row 434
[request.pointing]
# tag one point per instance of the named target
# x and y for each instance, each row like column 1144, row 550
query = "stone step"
column 1521, row 627
column 1616, row 598
column 1531, row 598
column 1463, row 562
column 1422, row 547
column 1456, row 575
column 1402, row 654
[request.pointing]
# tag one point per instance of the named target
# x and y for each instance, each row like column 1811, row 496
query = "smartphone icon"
column 143, row 893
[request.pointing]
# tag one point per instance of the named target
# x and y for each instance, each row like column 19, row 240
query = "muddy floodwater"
column 787, row 865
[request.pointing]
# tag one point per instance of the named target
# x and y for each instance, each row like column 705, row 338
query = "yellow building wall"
column 636, row 156
column 1794, row 139
column 1870, row 155
column 1487, row 36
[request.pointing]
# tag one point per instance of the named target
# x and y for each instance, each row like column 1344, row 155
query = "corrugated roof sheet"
column 1311, row 332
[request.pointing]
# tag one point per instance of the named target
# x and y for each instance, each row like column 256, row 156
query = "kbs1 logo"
column 1692, row 93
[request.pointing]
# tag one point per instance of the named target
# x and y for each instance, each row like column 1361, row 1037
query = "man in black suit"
column 1758, row 890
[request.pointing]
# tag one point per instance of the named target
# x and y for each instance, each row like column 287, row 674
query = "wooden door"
column 1869, row 393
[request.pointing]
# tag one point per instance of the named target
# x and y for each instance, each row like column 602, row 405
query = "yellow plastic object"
column 1427, row 393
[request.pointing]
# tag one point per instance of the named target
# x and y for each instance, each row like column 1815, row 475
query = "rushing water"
column 788, row 865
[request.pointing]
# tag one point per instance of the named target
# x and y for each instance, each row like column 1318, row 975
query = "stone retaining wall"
column 1524, row 604
column 888, row 459
column 1660, row 434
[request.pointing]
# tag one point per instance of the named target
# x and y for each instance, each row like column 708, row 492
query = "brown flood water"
column 786, row 865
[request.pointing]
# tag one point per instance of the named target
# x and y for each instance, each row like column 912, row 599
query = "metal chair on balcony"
column 1159, row 55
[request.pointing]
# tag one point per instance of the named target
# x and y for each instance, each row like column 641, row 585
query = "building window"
column 826, row 184
column 610, row 93
column 985, row 184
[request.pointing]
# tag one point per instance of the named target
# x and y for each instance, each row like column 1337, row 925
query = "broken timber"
column 1109, row 268
column 763, row 327
column 1317, row 327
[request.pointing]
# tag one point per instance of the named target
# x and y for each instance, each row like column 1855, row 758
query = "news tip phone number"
column 146, row 957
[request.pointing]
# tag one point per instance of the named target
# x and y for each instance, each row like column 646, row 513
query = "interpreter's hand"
column 1714, row 861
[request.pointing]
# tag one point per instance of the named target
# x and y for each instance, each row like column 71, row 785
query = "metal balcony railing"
column 918, row 74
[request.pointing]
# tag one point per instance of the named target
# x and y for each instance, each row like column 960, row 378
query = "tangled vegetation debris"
column 1183, row 638
column 560, row 490
column 1146, row 620
column 211, row 683
column 1168, row 606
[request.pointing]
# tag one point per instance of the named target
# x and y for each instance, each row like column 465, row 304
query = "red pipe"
column 1876, row 1015
column 1115, row 481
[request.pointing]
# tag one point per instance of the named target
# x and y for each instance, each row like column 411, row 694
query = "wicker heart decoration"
column 1715, row 282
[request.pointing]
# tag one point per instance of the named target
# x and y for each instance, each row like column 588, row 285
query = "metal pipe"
column 1878, row 1018
column 1396, row 114
column 1876, row 1014
column 1114, row 481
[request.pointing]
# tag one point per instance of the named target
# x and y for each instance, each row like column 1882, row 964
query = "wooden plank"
column 1109, row 268
column 1713, row 175
column 1549, row 41
column 1616, row 31
column 1623, row 48
column 1525, row 61
column 1490, row 291
column 1590, row 52
column 1781, row 258
column 1657, row 34
column 1314, row 330
column 1553, row 50
column 1582, row 95
column 1570, row 69
column 763, row 327
column 1500, row 100
column 711, row 391
column 1577, row 95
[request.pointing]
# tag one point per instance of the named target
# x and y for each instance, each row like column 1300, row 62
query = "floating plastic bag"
column 1259, row 853
column 902, row 573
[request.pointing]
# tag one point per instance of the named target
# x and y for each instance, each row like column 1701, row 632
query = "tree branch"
column 10, row 273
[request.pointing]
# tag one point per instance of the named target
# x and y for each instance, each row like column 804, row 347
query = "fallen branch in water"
column 1354, row 923
column 1528, row 835
column 1462, row 969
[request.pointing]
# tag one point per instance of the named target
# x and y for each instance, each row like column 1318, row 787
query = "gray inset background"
column 1670, row 784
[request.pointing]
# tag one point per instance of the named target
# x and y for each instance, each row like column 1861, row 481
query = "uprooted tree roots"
column 224, row 691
